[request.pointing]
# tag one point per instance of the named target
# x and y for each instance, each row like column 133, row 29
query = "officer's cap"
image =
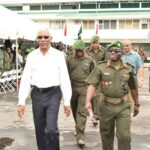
column 78, row 44
column 117, row 44
column 95, row 38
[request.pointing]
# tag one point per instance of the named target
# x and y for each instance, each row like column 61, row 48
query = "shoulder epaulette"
column 101, row 62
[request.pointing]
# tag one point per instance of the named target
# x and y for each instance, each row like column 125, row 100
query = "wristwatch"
column 137, row 105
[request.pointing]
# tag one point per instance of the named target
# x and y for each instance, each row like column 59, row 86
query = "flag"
column 97, row 28
column 65, row 30
column 80, row 31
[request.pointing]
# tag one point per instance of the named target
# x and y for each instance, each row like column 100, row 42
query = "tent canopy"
column 15, row 26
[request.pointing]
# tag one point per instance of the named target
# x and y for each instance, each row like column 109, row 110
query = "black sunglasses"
column 40, row 37
column 78, row 50
column 114, row 51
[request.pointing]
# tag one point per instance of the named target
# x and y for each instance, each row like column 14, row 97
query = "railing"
column 8, row 80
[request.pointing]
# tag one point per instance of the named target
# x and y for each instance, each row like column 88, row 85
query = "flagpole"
column 65, row 35
column 97, row 28
column 79, row 33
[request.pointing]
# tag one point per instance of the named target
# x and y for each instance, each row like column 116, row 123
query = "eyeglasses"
column 41, row 37
column 114, row 51
column 78, row 50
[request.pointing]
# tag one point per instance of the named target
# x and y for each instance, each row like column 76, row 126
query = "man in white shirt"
column 46, row 72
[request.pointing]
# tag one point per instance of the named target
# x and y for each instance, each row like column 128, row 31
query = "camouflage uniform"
column 98, row 55
column 115, row 110
column 11, row 60
column 79, row 69
column 4, row 61
column 1, row 60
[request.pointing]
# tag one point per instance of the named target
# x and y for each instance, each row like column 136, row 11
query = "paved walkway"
column 22, row 131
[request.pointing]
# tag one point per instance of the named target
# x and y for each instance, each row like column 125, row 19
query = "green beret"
column 95, row 39
column 117, row 44
column 78, row 44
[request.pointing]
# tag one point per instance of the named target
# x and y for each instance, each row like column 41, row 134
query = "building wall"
column 116, row 20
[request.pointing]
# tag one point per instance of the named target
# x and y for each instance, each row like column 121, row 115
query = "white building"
column 115, row 19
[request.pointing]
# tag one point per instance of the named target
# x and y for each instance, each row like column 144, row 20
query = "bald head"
column 127, row 46
column 127, row 42
column 44, row 39
column 43, row 30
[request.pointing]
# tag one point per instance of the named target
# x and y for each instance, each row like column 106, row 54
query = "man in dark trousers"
column 115, row 79
column 46, row 72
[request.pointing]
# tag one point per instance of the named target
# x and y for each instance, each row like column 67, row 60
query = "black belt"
column 43, row 90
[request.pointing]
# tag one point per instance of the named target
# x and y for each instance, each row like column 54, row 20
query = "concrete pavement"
column 22, row 131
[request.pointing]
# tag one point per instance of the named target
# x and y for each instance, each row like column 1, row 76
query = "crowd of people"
column 8, row 58
column 104, row 80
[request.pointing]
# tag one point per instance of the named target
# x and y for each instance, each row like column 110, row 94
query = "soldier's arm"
column 89, row 96
column 134, row 94
column 90, row 93
column 133, row 84
column 93, row 80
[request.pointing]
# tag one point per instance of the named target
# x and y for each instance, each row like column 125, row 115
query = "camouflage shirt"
column 5, row 64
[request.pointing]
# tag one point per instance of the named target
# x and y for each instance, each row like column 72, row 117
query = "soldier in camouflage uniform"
column 115, row 79
column 11, row 57
column 98, row 53
column 4, row 61
column 79, row 67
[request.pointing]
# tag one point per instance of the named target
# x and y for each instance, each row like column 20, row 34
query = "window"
column 121, row 24
column 91, row 24
column 35, row 7
column 56, row 25
column 144, row 23
column 14, row 8
column 50, row 7
column 100, row 24
column 145, row 5
column 88, row 6
column 135, row 24
column 69, row 6
column 130, row 5
column 129, row 24
column 107, row 24
column 88, row 24
column 77, row 22
column 144, row 26
column 148, row 24
column 108, row 6
column 113, row 24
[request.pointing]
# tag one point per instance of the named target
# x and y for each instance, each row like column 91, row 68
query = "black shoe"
column 81, row 143
column 95, row 122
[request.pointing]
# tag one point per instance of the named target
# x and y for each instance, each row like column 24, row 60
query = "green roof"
column 89, row 15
